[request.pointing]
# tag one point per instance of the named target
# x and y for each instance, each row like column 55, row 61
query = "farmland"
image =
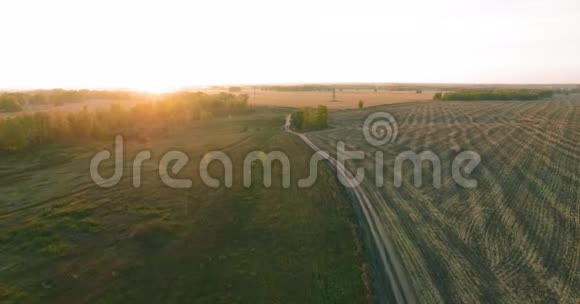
column 347, row 99
column 64, row 100
column 65, row 240
column 91, row 104
column 290, row 152
column 514, row 238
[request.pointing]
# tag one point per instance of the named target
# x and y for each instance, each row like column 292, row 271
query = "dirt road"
column 387, row 261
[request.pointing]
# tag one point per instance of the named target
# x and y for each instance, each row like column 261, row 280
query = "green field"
column 65, row 240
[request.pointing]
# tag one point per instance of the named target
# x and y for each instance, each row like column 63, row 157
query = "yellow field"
column 347, row 99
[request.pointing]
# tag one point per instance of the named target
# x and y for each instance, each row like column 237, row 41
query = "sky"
column 165, row 45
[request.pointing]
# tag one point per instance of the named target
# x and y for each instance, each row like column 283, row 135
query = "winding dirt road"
column 389, row 266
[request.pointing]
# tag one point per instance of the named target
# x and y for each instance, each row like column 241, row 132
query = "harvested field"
column 512, row 239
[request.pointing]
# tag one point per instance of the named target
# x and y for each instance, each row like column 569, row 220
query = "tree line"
column 140, row 121
column 310, row 118
column 523, row 94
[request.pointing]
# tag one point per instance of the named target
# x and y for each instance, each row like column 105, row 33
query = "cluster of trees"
column 310, row 118
column 523, row 94
column 140, row 121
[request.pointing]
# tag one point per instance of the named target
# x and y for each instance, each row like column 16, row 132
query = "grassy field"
column 64, row 240
column 72, row 107
column 513, row 239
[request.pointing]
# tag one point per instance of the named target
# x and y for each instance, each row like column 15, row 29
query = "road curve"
column 393, row 271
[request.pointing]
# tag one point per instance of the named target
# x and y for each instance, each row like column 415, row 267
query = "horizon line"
column 249, row 84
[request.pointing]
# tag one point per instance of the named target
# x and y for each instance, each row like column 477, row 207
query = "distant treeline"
column 494, row 95
column 310, row 118
column 60, row 97
column 140, row 121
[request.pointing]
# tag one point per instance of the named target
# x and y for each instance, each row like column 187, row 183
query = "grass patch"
column 161, row 245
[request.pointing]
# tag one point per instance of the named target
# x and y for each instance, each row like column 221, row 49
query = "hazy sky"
column 160, row 45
